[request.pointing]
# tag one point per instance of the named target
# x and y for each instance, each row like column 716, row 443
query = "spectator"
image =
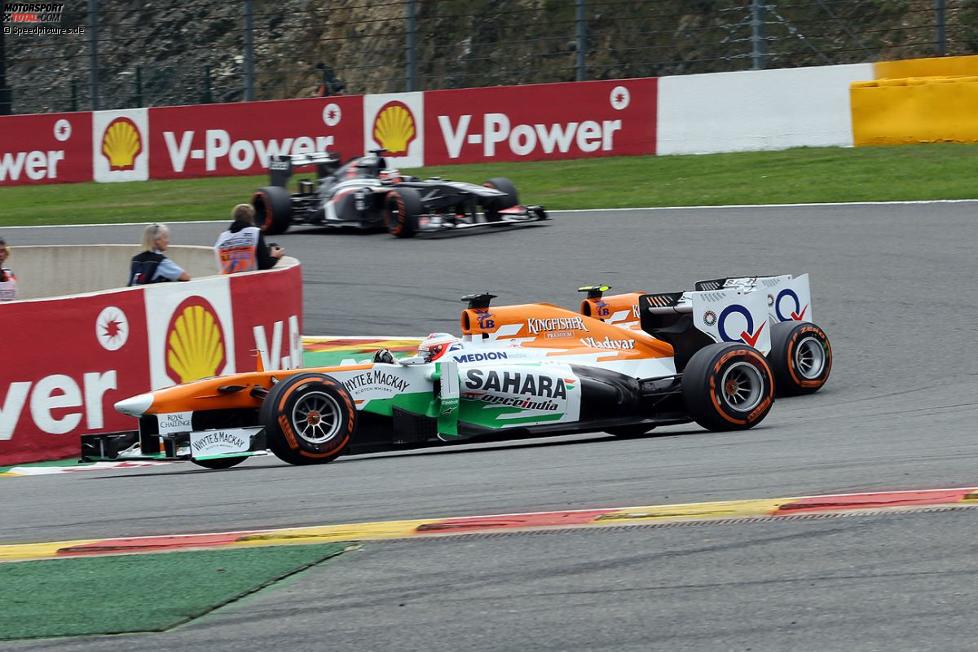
column 8, row 282
column 242, row 247
column 329, row 85
column 152, row 265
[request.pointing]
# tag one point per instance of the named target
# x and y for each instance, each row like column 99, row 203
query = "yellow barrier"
column 935, row 66
column 915, row 110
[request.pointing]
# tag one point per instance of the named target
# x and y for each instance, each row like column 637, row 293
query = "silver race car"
column 365, row 193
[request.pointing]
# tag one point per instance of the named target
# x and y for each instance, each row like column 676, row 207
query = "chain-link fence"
column 163, row 53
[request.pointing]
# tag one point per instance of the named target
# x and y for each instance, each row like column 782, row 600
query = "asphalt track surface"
column 894, row 287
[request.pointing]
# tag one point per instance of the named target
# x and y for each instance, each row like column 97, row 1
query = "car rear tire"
column 308, row 418
column 273, row 209
column 495, row 204
column 220, row 463
column 728, row 387
column 800, row 357
column 402, row 209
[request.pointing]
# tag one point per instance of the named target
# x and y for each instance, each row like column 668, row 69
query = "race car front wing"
column 202, row 445
column 436, row 223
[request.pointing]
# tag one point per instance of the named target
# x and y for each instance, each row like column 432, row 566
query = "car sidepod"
column 506, row 395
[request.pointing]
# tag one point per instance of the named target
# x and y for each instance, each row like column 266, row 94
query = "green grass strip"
column 801, row 175
column 138, row 593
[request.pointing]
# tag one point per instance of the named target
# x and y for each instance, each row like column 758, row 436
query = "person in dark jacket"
column 152, row 265
column 242, row 247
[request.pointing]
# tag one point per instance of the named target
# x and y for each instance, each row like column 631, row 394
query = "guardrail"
column 915, row 110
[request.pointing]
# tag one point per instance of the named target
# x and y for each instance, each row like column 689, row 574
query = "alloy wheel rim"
column 810, row 358
column 316, row 417
column 742, row 386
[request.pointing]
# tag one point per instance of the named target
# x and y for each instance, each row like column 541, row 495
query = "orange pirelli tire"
column 308, row 419
column 273, row 209
column 728, row 387
column 495, row 204
column 800, row 357
column 402, row 210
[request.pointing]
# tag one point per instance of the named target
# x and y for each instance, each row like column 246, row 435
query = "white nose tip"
column 135, row 406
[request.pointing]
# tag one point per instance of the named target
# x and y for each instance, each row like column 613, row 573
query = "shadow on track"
column 434, row 449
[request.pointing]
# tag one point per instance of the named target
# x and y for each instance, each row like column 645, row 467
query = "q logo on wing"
column 748, row 334
column 797, row 314
column 395, row 128
column 194, row 341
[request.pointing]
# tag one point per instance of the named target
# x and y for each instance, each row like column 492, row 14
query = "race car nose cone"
column 135, row 406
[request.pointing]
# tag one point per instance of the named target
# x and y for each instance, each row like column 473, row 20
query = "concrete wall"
column 58, row 270
column 757, row 110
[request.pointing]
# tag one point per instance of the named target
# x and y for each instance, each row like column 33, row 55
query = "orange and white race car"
column 515, row 371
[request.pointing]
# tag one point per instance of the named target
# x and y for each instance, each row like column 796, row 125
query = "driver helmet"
column 390, row 175
column 437, row 345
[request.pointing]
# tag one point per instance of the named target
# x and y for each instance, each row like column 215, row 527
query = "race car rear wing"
column 788, row 298
column 280, row 166
column 691, row 320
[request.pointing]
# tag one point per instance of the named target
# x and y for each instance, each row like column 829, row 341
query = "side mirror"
column 413, row 360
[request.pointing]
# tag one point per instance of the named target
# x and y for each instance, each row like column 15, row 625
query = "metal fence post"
column 758, row 45
column 139, row 86
column 581, row 22
column 249, row 51
column 940, row 9
column 208, row 96
column 5, row 99
column 411, row 46
column 93, row 51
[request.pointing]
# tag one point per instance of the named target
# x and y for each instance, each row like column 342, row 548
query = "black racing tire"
column 273, row 209
column 728, row 387
column 493, row 205
column 630, row 432
column 800, row 357
column 402, row 209
column 309, row 419
column 220, row 462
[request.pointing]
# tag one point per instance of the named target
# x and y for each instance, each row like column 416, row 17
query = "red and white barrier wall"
column 544, row 121
column 739, row 111
column 68, row 359
column 721, row 112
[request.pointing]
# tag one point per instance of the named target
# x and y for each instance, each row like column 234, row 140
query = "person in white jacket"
column 242, row 248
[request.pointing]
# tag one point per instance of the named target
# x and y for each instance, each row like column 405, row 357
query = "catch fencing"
column 124, row 53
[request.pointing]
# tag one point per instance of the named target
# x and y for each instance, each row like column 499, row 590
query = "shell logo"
column 122, row 143
column 194, row 341
column 394, row 128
